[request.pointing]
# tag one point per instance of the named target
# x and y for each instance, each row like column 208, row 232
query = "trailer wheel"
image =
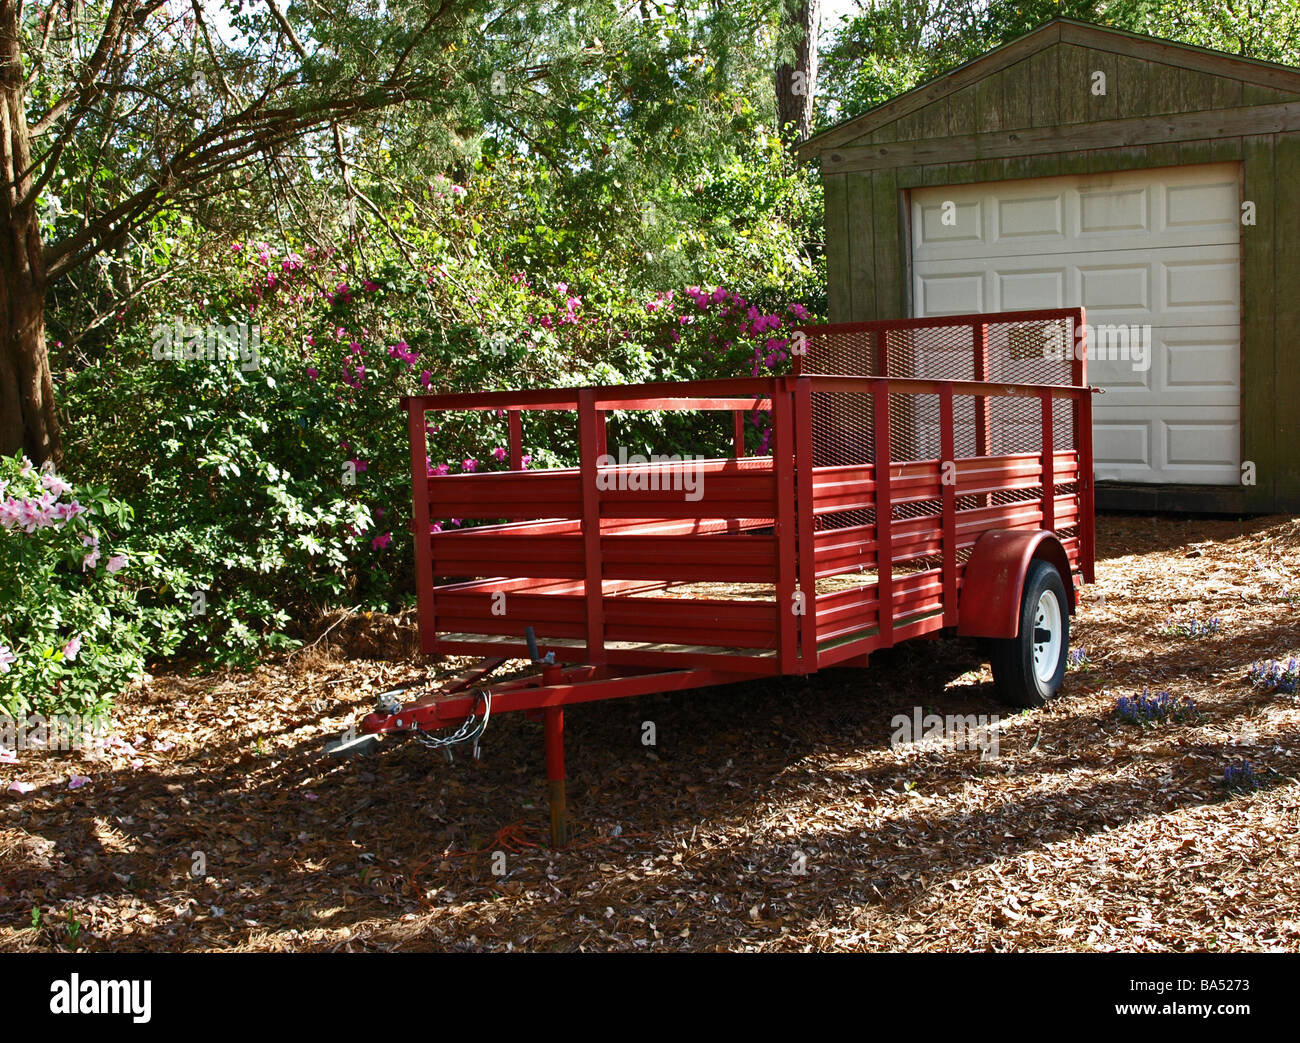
column 1028, row 669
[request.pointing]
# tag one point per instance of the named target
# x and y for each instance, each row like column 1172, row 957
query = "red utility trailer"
column 925, row 477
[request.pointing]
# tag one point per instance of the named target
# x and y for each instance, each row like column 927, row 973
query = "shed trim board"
column 1012, row 117
column 1154, row 130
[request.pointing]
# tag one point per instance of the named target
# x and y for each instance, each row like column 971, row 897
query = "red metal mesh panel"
column 1011, row 349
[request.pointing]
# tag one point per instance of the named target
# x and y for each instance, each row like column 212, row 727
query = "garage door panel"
column 1124, row 212
column 1209, row 206
column 1030, row 290
column 1121, row 448
column 967, row 223
column 1116, row 287
column 1194, row 443
column 951, row 294
column 1121, row 374
column 1135, row 210
column 1041, row 218
column 1203, row 365
column 1183, row 367
column 1203, row 284
column 1154, row 257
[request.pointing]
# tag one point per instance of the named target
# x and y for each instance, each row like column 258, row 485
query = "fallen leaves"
column 772, row 815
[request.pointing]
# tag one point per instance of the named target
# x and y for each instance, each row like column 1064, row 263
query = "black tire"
column 1028, row 672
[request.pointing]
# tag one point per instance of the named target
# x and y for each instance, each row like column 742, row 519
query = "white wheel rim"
column 1047, row 637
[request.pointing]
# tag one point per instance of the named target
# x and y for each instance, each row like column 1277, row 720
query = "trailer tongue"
column 926, row 476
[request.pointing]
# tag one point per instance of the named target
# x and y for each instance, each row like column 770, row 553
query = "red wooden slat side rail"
column 744, row 393
column 582, row 537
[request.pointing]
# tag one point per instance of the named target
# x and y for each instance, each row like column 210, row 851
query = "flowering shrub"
column 719, row 333
column 70, row 636
column 273, row 482
column 1160, row 708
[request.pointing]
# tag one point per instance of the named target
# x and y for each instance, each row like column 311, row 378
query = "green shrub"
column 71, row 635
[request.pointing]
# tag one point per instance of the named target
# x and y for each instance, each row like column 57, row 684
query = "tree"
column 27, row 415
column 118, row 112
column 796, row 83
column 130, row 108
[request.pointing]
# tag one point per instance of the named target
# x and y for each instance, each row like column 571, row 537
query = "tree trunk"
column 28, row 419
column 796, row 84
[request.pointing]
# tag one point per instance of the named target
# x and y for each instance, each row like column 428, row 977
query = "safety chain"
column 471, row 728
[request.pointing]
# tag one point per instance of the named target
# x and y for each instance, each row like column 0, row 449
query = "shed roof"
column 1058, row 30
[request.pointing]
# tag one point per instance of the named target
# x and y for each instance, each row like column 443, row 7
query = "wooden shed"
column 1153, row 183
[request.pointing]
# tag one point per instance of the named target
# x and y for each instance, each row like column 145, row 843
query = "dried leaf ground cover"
column 767, row 816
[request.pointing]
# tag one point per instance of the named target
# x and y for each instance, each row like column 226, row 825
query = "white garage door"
column 1154, row 248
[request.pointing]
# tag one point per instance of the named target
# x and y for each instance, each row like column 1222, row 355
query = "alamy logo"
column 233, row 342
column 637, row 473
column 58, row 732
column 74, row 996
column 1105, row 342
column 965, row 732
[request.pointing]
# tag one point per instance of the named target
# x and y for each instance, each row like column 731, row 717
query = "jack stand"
column 554, row 727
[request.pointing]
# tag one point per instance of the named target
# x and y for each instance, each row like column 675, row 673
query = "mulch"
column 767, row 816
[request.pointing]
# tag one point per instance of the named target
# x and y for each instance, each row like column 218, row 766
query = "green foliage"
column 460, row 197
column 71, row 635
column 274, row 482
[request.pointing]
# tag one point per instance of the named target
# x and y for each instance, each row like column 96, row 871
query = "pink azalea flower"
column 77, row 781
column 379, row 542
column 115, row 563
column 56, row 485
column 499, row 453
column 71, row 649
column 469, row 465
column 6, row 657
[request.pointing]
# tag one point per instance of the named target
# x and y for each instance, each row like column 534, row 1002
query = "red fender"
column 995, row 577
